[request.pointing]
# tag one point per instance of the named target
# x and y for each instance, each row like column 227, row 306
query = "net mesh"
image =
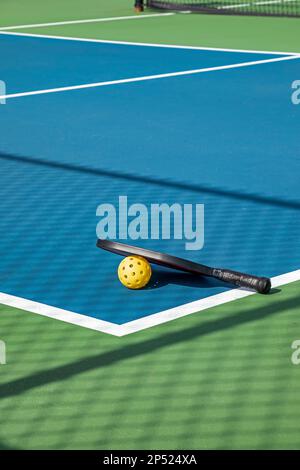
column 250, row 7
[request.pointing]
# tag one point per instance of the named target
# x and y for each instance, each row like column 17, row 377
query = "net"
column 250, row 7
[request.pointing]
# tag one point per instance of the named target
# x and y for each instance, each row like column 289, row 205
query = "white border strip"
column 92, row 20
column 59, row 314
column 243, row 5
column 145, row 44
column 145, row 78
column 199, row 305
column 142, row 323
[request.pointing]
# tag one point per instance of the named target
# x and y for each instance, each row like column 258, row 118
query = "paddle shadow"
column 163, row 277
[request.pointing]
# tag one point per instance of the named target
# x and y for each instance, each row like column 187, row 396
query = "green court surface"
column 241, row 32
column 219, row 379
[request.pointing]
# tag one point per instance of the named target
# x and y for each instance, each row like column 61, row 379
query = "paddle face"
column 155, row 257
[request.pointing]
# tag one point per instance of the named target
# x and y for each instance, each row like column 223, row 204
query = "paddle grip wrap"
column 259, row 284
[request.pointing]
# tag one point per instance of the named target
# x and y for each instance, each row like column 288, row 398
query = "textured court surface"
column 153, row 141
column 219, row 379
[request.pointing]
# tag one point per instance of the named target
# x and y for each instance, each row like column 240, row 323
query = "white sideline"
column 244, row 5
column 142, row 323
column 145, row 78
column 145, row 44
column 92, row 20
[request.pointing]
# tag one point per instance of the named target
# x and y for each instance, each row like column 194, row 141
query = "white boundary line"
column 243, row 5
column 145, row 44
column 92, row 20
column 145, row 78
column 142, row 323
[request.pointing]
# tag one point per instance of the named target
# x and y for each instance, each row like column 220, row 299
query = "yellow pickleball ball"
column 134, row 272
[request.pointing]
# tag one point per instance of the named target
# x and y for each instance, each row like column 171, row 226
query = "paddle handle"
column 259, row 284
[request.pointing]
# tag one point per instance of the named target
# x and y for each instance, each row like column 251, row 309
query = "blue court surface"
column 228, row 139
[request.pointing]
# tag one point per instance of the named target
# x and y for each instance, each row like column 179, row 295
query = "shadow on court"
column 163, row 277
column 144, row 347
column 5, row 447
column 154, row 181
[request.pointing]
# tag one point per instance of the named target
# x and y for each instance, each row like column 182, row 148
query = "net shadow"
column 131, row 351
column 6, row 447
column 153, row 181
